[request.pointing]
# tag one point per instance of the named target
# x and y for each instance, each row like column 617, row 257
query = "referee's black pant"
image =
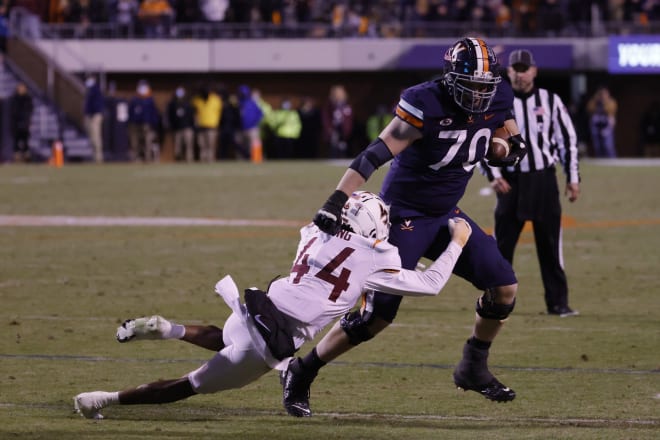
column 534, row 196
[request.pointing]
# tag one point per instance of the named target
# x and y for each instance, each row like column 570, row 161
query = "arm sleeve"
column 566, row 139
column 413, row 283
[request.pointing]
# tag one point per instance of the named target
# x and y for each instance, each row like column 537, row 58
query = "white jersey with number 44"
column 330, row 273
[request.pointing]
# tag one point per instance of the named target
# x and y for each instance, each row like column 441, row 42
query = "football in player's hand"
column 499, row 145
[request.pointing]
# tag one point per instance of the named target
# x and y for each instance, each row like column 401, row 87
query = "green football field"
column 84, row 247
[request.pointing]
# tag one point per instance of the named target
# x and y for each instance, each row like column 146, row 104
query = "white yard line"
column 66, row 220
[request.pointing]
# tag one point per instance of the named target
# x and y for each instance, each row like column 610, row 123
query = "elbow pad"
column 371, row 158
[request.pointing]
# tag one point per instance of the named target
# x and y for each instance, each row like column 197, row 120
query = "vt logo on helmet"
column 471, row 74
column 366, row 214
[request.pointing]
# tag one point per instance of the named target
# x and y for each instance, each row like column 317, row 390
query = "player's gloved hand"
column 516, row 154
column 328, row 218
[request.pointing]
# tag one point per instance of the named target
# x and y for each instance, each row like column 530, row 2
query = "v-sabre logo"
column 407, row 225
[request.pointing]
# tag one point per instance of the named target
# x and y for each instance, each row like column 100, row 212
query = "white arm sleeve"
column 413, row 283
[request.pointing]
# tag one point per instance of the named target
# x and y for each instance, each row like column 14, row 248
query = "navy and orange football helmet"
column 471, row 74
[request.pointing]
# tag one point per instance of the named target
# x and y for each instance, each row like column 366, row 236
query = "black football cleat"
column 295, row 391
column 471, row 374
column 493, row 390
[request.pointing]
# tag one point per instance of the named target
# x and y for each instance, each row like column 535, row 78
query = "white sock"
column 177, row 331
column 113, row 397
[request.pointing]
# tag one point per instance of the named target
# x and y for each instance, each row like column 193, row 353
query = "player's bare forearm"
column 350, row 182
column 512, row 127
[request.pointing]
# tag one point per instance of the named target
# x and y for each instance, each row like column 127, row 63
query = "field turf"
column 86, row 246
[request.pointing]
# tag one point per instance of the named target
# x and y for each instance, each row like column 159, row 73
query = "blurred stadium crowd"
column 342, row 18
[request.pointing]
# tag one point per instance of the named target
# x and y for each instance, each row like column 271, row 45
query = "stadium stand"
column 586, row 26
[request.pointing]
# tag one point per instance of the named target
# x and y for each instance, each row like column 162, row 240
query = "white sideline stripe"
column 64, row 220
column 491, row 419
column 390, row 416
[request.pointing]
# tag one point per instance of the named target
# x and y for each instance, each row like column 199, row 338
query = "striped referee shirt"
column 546, row 126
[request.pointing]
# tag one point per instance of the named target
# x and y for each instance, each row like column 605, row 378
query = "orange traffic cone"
column 57, row 155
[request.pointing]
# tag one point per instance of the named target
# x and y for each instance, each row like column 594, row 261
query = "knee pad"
column 355, row 326
column 487, row 308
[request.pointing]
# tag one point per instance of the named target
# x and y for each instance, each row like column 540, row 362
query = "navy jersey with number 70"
column 429, row 177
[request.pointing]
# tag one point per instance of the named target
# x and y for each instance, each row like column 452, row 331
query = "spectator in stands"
column 143, row 122
column 251, row 117
column 311, row 128
column 208, row 114
column 550, row 17
column 602, row 108
column 285, row 125
column 187, row 11
column 155, row 18
column 214, row 11
column 25, row 17
column 338, row 122
column 94, row 108
column 20, row 107
column 75, row 12
column 124, row 15
column 4, row 28
column 181, row 121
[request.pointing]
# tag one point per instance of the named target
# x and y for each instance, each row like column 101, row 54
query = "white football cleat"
column 88, row 405
column 150, row 327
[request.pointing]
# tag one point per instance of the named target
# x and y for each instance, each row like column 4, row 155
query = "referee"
column 529, row 190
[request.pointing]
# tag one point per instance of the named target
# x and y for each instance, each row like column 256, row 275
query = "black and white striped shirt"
column 549, row 134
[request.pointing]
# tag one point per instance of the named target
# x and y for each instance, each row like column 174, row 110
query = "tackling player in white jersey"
column 329, row 275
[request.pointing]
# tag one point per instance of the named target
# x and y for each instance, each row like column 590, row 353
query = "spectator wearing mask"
column 143, row 119
column 181, row 121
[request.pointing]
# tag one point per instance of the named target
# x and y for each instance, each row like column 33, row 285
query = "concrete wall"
column 276, row 55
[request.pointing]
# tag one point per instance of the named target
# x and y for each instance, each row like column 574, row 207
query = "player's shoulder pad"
column 424, row 100
column 419, row 94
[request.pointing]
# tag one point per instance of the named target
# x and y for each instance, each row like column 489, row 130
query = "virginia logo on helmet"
column 471, row 75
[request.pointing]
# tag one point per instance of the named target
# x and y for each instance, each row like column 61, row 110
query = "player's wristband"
column 336, row 200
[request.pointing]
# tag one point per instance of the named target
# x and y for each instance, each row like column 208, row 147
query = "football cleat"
column 150, row 327
column 493, row 390
column 295, row 391
column 563, row 312
column 88, row 405
column 471, row 374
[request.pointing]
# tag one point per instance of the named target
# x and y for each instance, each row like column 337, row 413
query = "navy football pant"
column 480, row 263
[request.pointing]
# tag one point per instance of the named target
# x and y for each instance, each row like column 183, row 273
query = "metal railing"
column 422, row 29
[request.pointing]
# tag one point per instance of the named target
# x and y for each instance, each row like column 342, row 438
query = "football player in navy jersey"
column 442, row 129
